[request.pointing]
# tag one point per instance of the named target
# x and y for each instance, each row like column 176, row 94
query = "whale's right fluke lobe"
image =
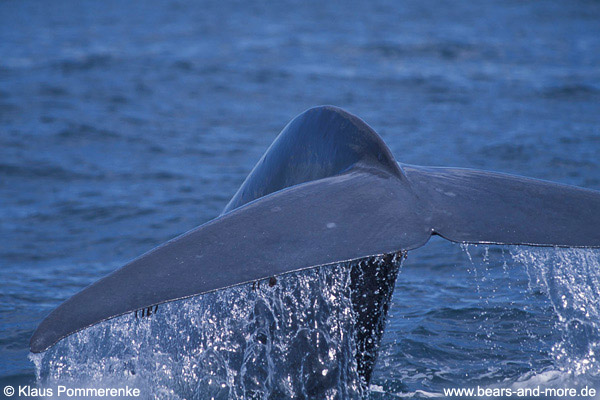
column 471, row 206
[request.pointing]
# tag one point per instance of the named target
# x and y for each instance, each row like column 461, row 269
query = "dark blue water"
column 124, row 124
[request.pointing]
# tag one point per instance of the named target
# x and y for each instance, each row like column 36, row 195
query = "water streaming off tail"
column 571, row 280
column 293, row 337
column 491, row 316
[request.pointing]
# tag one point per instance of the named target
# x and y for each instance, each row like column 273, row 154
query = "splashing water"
column 491, row 316
column 293, row 337
column 298, row 338
column 571, row 279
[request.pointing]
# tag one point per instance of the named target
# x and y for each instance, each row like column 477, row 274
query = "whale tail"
column 329, row 190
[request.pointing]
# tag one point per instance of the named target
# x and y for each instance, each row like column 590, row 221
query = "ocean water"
column 124, row 124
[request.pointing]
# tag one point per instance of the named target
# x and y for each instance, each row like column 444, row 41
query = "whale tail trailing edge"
column 329, row 190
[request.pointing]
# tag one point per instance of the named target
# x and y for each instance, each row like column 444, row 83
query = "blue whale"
column 329, row 190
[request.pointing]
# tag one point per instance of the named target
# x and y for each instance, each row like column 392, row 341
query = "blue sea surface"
column 124, row 124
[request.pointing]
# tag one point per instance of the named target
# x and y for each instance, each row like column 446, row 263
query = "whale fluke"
column 329, row 190
column 471, row 206
column 304, row 226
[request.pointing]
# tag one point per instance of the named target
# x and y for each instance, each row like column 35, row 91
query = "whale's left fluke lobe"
column 305, row 226
column 328, row 190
